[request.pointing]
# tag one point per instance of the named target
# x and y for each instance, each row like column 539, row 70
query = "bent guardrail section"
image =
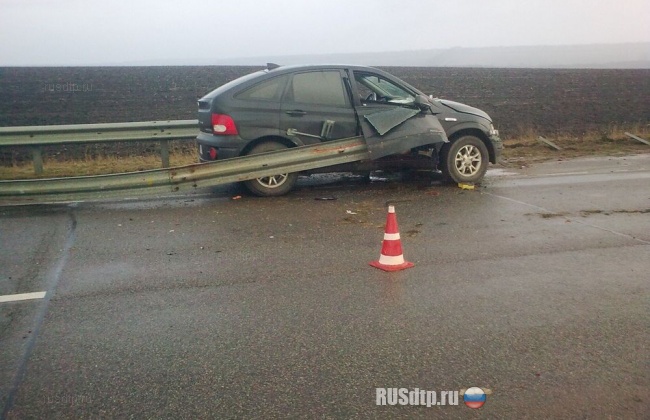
column 184, row 178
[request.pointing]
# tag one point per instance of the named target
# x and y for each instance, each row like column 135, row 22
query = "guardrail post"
column 164, row 153
column 37, row 158
column 549, row 143
column 637, row 138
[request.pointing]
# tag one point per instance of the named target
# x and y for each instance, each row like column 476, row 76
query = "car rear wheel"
column 465, row 160
column 270, row 185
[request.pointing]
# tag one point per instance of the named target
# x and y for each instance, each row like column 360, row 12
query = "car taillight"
column 224, row 125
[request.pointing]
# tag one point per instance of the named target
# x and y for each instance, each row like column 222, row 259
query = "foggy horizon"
column 76, row 32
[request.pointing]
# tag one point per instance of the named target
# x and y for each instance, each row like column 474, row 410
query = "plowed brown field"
column 522, row 102
column 546, row 101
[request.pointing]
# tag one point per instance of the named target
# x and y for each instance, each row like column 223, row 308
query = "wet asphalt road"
column 534, row 286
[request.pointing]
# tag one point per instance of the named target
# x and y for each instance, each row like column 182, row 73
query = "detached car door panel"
column 419, row 130
column 390, row 121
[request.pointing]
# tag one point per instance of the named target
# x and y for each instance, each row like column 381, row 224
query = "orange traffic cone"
column 391, row 258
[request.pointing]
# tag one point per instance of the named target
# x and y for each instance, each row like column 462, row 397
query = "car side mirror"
column 422, row 102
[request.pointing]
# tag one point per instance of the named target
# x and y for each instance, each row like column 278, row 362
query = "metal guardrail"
column 184, row 178
column 38, row 136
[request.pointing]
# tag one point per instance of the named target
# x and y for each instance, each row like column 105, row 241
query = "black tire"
column 270, row 186
column 464, row 160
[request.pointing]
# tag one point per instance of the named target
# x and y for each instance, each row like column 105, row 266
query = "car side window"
column 318, row 88
column 269, row 90
column 372, row 87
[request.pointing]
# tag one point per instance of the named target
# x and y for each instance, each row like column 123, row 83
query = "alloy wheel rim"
column 468, row 160
column 273, row 181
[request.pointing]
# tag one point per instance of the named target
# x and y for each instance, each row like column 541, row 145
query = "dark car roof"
column 272, row 70
column 324, row 66
column 353, row 67
column 298, row 67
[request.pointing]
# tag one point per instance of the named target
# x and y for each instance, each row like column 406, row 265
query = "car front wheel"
column 274, row 185
column 465, row 160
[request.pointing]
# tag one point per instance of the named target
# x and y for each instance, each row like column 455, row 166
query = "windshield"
column 376, row 88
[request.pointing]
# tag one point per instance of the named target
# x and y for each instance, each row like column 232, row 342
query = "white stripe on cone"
column 391, row 237
column 388, row 260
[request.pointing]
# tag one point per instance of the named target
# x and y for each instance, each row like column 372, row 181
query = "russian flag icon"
column 474, row 397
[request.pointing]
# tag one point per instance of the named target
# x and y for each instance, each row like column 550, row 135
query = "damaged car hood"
column 465, row 109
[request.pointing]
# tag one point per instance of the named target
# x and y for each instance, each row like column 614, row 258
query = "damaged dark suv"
column 288, row 106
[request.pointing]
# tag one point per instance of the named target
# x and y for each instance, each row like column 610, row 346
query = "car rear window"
column 269, row 90
column 318, row 87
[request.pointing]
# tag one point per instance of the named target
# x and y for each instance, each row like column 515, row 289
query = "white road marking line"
column 22, row 296
column 569, row 173
column 568, row 217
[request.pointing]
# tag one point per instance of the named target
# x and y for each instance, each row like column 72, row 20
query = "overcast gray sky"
column 92, row 32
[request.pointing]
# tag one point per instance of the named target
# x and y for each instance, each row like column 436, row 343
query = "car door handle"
column 297, row 113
